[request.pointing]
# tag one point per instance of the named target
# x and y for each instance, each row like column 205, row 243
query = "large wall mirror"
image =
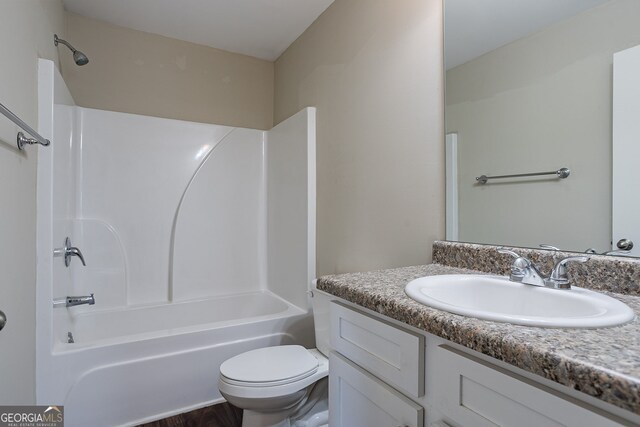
column 530, row 88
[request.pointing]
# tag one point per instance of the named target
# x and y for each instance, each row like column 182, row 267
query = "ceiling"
column 259, row 28
column 265, row 28
column 473, row 27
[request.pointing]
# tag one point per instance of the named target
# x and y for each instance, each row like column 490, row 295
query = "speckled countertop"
column 604, row 363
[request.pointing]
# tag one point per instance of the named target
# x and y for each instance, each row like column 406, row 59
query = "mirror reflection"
column 531, row 87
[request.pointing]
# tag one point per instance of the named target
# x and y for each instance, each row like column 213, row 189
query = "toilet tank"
column 320, row 304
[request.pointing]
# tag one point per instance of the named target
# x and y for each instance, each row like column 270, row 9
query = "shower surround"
column 199, row 241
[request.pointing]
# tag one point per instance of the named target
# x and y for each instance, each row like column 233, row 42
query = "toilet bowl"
column 282, row 386
column 276, row 382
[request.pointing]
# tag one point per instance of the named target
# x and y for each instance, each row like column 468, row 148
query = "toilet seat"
column 269, row 366
column 279, row 371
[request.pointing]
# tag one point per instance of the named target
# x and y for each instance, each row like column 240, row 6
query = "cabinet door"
column 357, row 399
column 393, row 354
column 475, row 393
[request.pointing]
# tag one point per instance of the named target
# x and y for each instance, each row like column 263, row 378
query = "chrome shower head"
column 79, row 57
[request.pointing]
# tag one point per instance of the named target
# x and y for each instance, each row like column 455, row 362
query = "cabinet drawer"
column 358, row 399
column 475, row 393
column 393, row 354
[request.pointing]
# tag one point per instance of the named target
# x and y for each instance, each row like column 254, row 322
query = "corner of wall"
column 375, row 73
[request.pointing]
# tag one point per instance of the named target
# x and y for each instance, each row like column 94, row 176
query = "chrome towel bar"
column 23, row 140
column 561, row 173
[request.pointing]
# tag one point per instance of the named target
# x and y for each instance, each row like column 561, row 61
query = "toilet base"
column 318, row 417
column 312, row 411
column 257, row 419
column 261, row 419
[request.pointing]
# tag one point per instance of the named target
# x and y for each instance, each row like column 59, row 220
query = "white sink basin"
column 498, row 299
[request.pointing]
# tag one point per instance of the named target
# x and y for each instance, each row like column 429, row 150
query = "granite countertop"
column 604, row 363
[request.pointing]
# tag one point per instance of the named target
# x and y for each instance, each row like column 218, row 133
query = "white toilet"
column 282, row 386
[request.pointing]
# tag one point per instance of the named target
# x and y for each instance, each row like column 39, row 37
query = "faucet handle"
column 559, row 274
column 549, row 247
column 518, row 260
column 519, row 266
column 69, row 251
column 73, row 251
column 502, row 250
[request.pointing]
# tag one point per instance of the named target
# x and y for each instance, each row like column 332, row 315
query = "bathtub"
column 139, row 364
column 213, row 260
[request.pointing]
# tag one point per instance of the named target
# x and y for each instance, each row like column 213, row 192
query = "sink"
column 498, row 299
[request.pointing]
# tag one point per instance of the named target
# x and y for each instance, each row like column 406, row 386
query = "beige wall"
column 27, row 28
column 142, row 73
column 538, row 104
column 373, row 68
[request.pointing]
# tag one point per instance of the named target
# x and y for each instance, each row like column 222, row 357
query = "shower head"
column 79, row 57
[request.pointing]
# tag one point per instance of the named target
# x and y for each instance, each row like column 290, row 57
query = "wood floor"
column 221, row 415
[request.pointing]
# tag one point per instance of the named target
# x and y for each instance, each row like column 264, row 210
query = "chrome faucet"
column 524, row 271
column 67, row 252
column 73, row 301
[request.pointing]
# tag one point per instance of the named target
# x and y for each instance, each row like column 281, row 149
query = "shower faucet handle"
column 69, row 251
column 73, row 251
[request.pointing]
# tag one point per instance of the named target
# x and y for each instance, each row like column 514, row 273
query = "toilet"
column 282, row 386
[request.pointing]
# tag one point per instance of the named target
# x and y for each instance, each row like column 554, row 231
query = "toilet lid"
column 270, row 364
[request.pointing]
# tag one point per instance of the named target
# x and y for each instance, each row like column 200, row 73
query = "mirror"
column 529, row 90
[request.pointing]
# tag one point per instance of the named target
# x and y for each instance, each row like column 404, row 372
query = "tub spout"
column 73, row 301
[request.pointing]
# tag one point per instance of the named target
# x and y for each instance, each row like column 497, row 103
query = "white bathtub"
column 142, row 322
column 140, row 364
column 199, row 242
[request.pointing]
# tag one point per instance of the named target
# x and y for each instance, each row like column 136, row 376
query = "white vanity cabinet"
column 383, row 374
column 373, row 367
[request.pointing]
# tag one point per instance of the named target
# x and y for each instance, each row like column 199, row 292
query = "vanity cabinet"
column 363, row 345
column 383, row 374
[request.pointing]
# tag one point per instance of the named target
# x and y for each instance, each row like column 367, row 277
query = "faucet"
column 73, row 301
column 67, row 252
column 524, row 271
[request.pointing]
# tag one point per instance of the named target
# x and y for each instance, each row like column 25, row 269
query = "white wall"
column 374, row 70
column 167, row 210
column 219, row 238
column 291, row 206
column 538, row 104
column 27, row 27
column 55, row 209
column 133, row 174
